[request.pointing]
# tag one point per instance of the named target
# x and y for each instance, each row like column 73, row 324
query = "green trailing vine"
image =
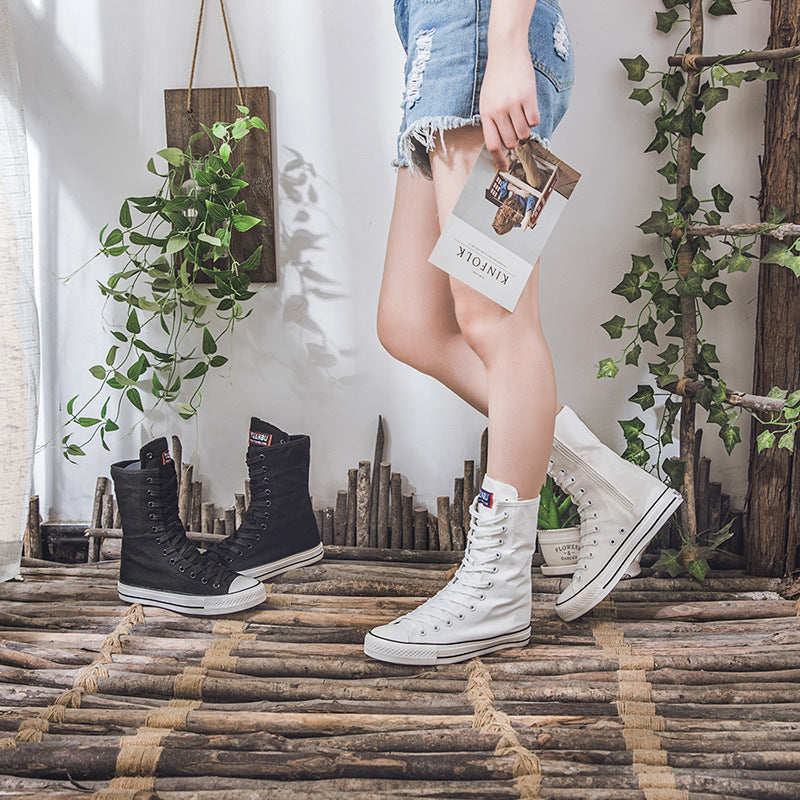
column 172, row 332
column 656, row 287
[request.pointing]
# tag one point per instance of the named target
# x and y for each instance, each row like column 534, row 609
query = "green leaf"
column 614, row 326
column 636, row 453
column 712, row 217
column 688, row 203
column 669, row 171
column 704, row 266
column 643, row 396
column 709, row 353
column 111, row 426
column 722, row 199
column 209, row 345
column 674, row 470
column 123, row 380
column 765, row 440
column 87, row 422
column 677, row 328
column 774, row 215
column 733, row 79
column 635, row 67
column 132, row 325
column 97, row 372
column 776, row 393
column 642, row 95
column 175, row 244
column 253, row 260
column 787, row 441
column 716, row 295
column 218, row 361
column 257, row 122
column 173, row 155
column 119, row 335
column 720, row 7
column 657, row 222
column 138, row 367
column 658, row 145
column 133, row 395
column 730, row 436
column 696, row 157
column 698, row 567
column 713, row 95
column 670, row 355
column 125, row 215
column 633, row 355
column 115, row 237
column 647, row 332
column 631, row 428
column 697, row 123
column 669, row 205
column 225, row 152
column 669, row 562
column 111, row 355
column 793, row 400
column 718, row 416
column 219, row 130
column 672, row 83
column 200, row 368
column 628, row 287
column 779, row 253
column 204, row 237
column 607, row 368
column 243, row 110
column 74, row 450
column 243, row 222
column 186, row 411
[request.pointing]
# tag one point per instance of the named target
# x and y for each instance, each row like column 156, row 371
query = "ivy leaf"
column 607, row 368
column 671, row 354
column 635, row 67
column 733, row 79
column 691, row 285
column 614, row 326
column 628, row 287
column 722, row 199
column 672, row 83
column 673, row 3
column 712, row 96
column 697, row 123
column 133, row 395
column 720, row 7
column 674, row 470
column 704, row 266
column 658, row 144
column 657, row 222
column 730, row 436
column 793, row 400
column 688, row 203
column 641, row 264
column 669, row 562
column 712, row 217
column 718, row 416
column 642, row 95
column 633, row 355
column 698, row 567
column 787, row 441
column 716, row 295
column 209, row 345
column 636, row 453
column 647, row 332
column 765, row 440
column 779, row 253
column 776, row 393
column 738, row 262
column 665, row 20
column 643, row 396
column 677, row 328
column 774, row 215
column 669, row 205
column 669, row 171
column 696, row 157
column 709, row 353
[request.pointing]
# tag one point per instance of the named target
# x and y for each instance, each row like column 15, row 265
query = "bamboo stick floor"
column 667, row 691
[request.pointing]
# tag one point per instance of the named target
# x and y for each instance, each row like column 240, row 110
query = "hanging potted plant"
column 559, row 533
column 172, row 326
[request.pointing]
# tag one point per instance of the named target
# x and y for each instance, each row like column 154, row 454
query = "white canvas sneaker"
column 621, row 507
column 486, row 606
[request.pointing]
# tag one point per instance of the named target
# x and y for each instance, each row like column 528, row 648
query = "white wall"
column 93, row 76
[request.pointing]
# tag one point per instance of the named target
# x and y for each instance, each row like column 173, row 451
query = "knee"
column 410, row 339
column 479, row 320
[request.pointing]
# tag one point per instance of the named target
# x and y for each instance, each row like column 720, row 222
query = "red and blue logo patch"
column 486, row 498
column 260, row 438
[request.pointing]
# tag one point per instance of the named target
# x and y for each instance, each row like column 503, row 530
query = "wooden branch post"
column 774, row 476
column 688, row 305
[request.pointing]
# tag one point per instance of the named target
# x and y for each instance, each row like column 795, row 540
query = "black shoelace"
column 165, row 522
column 256, row 517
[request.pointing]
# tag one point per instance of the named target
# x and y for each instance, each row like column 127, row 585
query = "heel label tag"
column 260, row 438
column 166, row 458
column 486, row 498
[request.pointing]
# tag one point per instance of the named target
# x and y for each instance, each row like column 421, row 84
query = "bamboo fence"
column 667, row 690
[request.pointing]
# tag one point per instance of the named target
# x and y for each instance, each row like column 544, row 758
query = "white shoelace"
column 449, row 604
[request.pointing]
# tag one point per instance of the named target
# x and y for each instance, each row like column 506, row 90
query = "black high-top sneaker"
column 160, row 566
column 278, row 531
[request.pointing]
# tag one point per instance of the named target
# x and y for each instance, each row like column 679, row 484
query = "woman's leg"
column 510, row 345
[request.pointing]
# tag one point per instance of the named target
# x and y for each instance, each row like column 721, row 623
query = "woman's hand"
column 508, row 105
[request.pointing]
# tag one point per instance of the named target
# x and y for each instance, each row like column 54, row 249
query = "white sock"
column 493, row 492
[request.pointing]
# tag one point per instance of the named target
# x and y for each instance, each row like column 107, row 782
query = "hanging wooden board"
column 219, row 105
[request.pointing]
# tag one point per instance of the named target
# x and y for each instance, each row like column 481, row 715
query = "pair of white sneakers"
column 486, row 606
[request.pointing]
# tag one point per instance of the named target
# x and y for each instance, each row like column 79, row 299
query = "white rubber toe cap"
column 242, row 583
column 398, row 631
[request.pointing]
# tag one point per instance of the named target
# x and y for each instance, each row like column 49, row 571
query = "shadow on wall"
column 308, row 348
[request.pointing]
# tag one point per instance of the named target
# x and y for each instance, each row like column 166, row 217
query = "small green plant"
column 672, row 561
column 556, row 510
column 173, row 328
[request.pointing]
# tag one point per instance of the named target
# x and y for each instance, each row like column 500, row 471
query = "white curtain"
column 19, row 330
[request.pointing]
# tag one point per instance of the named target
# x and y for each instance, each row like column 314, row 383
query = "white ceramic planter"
column 560, row 548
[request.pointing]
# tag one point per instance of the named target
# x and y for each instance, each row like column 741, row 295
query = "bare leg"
column 521, row 382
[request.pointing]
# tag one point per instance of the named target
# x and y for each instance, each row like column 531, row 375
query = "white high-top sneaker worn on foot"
column 486, row 606
column 621, row 506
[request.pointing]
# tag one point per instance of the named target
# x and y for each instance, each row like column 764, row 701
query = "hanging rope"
column 196, row 47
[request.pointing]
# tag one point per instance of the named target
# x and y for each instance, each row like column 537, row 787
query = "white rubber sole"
column 290, row 562
column 202, row 605
column 599, row 587
column 430, row 654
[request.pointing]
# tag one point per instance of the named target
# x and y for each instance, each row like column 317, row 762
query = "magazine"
column 502, row 220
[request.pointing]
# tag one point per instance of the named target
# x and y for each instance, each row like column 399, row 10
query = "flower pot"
column 560, row 548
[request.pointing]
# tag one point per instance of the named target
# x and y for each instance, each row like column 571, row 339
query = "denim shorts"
column 446, row 47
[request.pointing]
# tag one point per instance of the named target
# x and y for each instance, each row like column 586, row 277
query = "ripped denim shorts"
column 446, row 48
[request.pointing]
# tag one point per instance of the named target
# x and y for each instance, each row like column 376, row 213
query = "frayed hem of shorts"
column 425, row 131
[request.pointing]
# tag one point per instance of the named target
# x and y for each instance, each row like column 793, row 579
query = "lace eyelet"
column 489, row 584
column 268, row 503
column 192, row 575
column 472, row 607
column 482, row 596
column 229, row 559
column 181, row 569
column 500, row 541
column 163, row 552
column 204, row 580
column 494, row 569
column 622, row 530
column 448, row 622
column 422, row 631
column 150, row 504
column 262, row 526
column 151, row 516
column 250, row 546
column 612, row 541
column 460, row 616
column 172, row 561
column 154, row 528
column 436, row 627
column 215, row 585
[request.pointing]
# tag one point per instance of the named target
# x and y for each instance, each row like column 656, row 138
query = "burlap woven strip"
column 32, row 730
column 638, row 714
column 527, row 768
